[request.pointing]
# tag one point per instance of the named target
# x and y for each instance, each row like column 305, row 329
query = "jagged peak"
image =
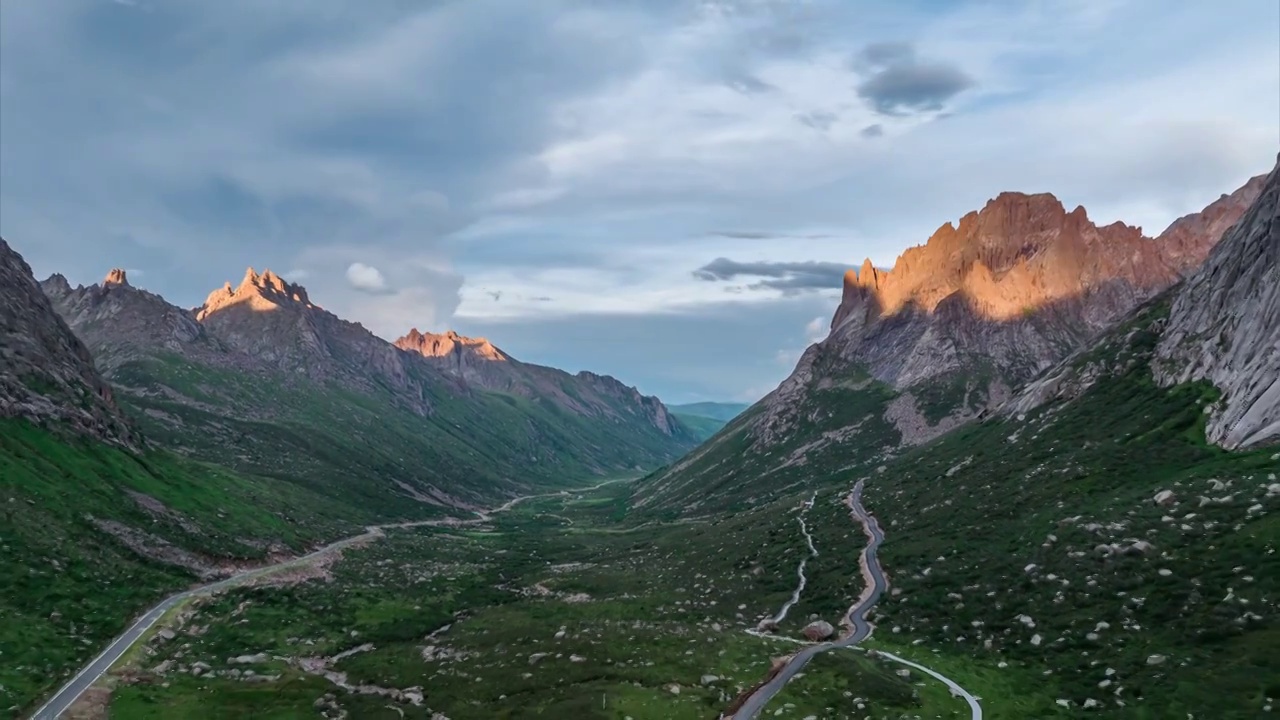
column 449, row 342
column 116, row 276
column 56, row 284
column 262, row 291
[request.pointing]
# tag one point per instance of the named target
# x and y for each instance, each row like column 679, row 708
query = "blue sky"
column 664, row 190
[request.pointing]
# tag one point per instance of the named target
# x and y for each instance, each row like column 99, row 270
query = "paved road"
column 70, row 692
column 860, row 627
column 975, row 710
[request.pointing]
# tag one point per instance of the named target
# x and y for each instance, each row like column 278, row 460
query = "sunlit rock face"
column 989, row 303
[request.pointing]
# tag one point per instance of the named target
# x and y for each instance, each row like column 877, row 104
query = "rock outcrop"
column 990, row 303
column 959, row 327
column 46, row 374
column 1224, row 327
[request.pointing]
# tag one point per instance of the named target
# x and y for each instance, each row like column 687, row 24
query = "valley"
column 258, row 509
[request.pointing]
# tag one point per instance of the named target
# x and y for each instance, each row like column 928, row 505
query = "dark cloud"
column 820, row 120
column 788, row 277
column 881, row 54
column 897, row 82
column 872, row 131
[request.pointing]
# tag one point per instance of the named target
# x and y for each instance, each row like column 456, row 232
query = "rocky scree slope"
column 951, row 332
column 261, row 379
column 46, row 374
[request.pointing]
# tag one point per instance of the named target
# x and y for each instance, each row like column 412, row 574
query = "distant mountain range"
column 706, row 418
column 261, row 379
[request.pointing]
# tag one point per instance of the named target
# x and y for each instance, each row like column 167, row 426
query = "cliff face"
column 46, row 374
column 1224, row 327
column 961, row 325
column 988, row 304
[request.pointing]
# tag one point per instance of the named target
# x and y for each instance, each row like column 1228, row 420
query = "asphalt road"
column 857, row 615
column 70, row 692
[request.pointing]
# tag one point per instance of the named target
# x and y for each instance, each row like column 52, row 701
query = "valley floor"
column 551, row 609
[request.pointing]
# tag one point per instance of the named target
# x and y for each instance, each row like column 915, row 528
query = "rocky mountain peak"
column 116, row 276
column 432, row 345
column 263, row 292
column 1024, row 252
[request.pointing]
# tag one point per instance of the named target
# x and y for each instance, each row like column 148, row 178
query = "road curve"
column 856, row 620
column 975, row 710
column 83, row 680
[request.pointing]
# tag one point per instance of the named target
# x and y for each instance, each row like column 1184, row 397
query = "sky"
column 667, row 191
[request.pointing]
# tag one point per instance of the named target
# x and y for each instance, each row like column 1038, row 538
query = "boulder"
column 818, row 630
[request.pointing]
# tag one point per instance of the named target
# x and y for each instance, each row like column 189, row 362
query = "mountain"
column 950, row 333
column 47, row 375
column 478, row 364
column 706, row 418
column 1102, row 542
column 715, row 410
column 261, row 379
column 1224, row 327
column 97, row 522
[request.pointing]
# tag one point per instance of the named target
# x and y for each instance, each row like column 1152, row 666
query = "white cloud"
column 817, row 329
column 366, row 278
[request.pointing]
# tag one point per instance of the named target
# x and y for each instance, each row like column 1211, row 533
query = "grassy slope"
column 967, row 514
column 724, row 412
column 702, row 427
column 70, row 587
column 839, row 423
column 659, row 615
column 347, row 445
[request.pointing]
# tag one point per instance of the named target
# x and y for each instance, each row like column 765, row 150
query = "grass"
column 365, row 449
column 70, row 587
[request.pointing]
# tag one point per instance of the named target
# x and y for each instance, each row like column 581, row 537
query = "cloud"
column 820, row 120
column 898, row 82
column 367, row 278
column 788, row 277
column 574, row 155
column 817, row 329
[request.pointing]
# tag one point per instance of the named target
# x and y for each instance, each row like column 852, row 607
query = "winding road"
column 83, row 680
column 856, row 620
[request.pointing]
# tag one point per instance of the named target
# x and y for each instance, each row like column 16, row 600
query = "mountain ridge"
column 259, row 374
column 950, row 333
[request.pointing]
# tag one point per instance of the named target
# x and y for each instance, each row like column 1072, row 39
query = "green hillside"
column 701, row 427
column 721, row 411
column 365, row 449
column 69, row 507
column 1141, row 609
